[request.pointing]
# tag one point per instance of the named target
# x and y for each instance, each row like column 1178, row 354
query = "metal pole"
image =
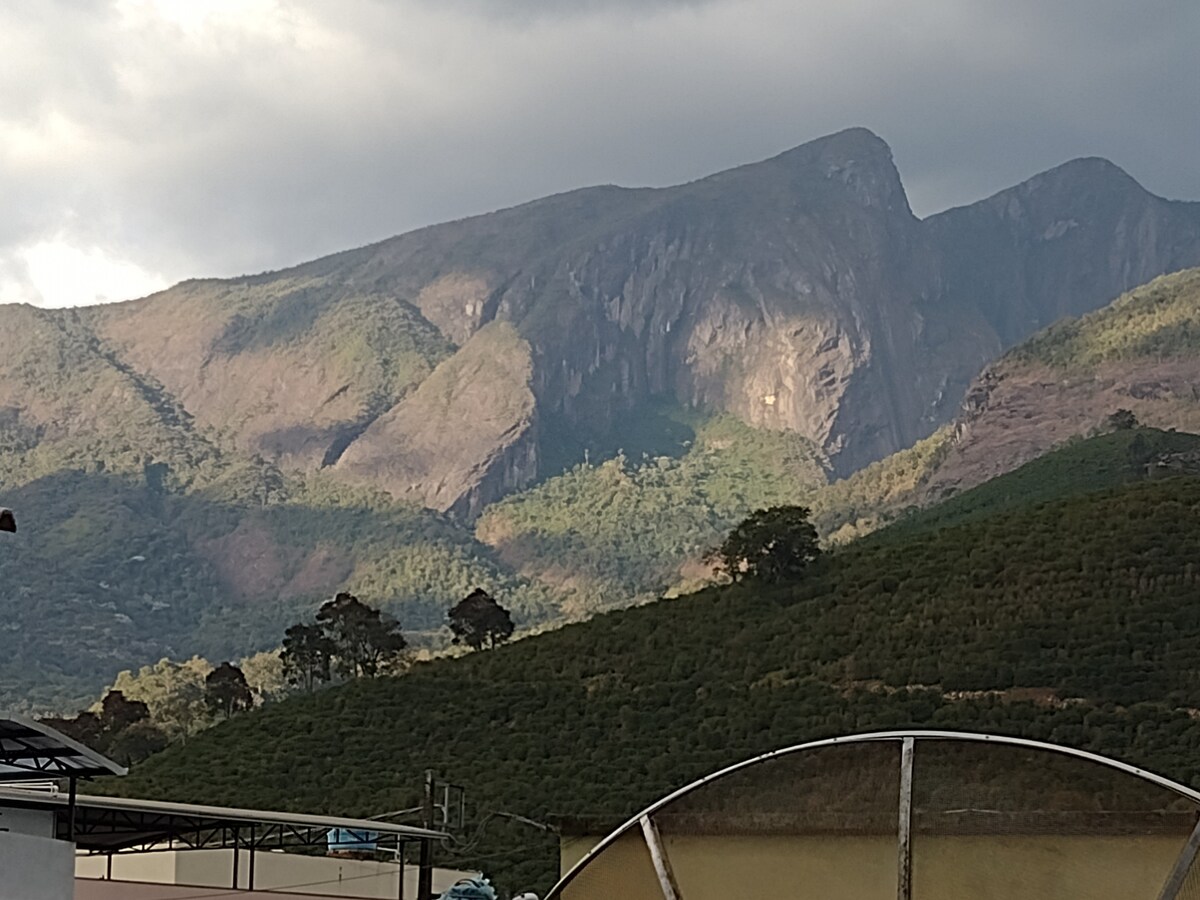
column 250, row 884
column 425, row 863
column 1183, row 865
column 236, row 854
column 71, row 808
column 904, row 858
column 658, row 856
column 108, row 869
column 400, row 867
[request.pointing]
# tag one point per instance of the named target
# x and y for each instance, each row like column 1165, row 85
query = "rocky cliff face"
column 1141, row 353
column 466, row 437
column 797, row 293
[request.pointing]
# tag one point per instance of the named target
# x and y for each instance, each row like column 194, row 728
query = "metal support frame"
column 71, row 800
column 425, row 863
column 250, row 883
column 904, row 829
column 1183, row 865
column 658, row 856
column 237, row 854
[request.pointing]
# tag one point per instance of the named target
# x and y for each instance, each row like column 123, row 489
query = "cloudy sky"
column 146, row 141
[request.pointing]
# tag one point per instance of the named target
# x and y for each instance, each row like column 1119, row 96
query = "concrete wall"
column 847, row 868
column 323, row 876
column 36, row 822
column 35, row 868
column 86, row 889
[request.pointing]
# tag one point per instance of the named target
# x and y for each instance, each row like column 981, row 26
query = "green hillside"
column 619, row 530
column 1086, row 603
column 1080, row 467
column 110, row 572
column 1158, row 320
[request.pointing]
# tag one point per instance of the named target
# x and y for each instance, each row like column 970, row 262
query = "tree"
column 135, row 743
column 84, row 727
column 226, row 691
column 478, row 619
column 306, row 655
column 118, row 712
column 173, row 691
column 770, row 545
column 365, row 641
column 264, row 674
column 1122, row 420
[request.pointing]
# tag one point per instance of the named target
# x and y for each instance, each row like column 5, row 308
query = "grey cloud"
column 369, row 118
column 535, row 9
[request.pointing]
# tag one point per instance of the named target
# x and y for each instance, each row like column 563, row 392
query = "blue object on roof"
column 470, row 889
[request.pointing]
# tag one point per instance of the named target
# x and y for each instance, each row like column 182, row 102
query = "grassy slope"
column 1153, row 323
column 1159, row 319
column 1091, row 597
column 621, row 529
column 1083, row 466
column 108, row 574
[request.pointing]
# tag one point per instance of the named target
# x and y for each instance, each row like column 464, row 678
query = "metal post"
column 904, row 858
column 236, row 854
column 108, row 869
column 71, row 782
column 400, row 867
column 1183, row 865
column 250, row 883
column 658, row 856
column 425, row 863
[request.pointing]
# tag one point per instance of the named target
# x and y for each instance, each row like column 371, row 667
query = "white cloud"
column 54, row 273
column 215, row 137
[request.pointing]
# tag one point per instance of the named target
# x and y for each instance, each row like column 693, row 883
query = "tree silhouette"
column 226, row 691
column 1122, row 420
column 118, row 712
column 122, row 729
column 771, row 545
column 478, row 619
column 365, row 641
column 306, row 655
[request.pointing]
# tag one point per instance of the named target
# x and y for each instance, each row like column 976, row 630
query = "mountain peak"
column 1086, row 172
column 857, row 158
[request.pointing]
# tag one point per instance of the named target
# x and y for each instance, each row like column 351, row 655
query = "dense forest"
column 1071, row 619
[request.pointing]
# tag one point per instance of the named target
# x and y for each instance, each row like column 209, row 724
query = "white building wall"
column 35, row 868
column 324, row 876
column 36, row 822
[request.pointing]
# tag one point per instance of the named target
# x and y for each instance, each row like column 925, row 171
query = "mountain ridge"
column 735, row 335
column 617, row 291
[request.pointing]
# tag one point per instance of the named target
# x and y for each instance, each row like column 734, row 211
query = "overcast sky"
column 146, row 141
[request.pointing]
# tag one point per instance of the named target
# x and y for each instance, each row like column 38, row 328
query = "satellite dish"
column 7, row 521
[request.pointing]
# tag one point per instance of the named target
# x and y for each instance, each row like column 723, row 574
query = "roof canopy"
column 116, row 824
column 30, row 751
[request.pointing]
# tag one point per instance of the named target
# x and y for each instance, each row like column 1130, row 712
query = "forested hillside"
column 1073, row 620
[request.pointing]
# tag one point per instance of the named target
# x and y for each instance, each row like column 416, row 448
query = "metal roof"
column 115, row 824
column 31, row 751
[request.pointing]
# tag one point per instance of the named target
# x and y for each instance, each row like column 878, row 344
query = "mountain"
column 1140, row 353
column 565, row 402
column 797, row 293
column 1070, row 619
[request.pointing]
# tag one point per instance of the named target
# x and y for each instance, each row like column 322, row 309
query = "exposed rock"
column 797, row 293
column 464, row 438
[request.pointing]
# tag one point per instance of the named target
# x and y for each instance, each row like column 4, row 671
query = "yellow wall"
column 828, row 868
